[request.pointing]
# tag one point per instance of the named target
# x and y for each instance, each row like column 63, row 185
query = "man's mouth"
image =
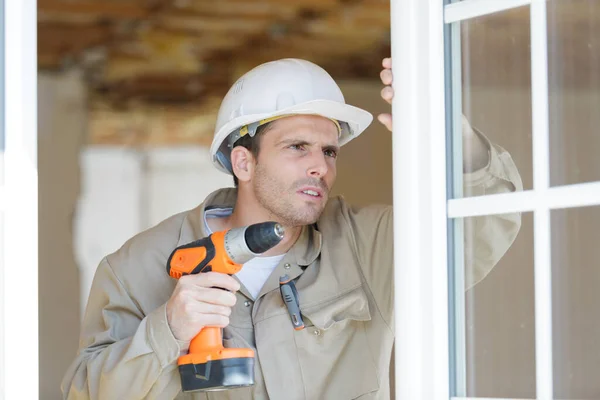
column 311, row 193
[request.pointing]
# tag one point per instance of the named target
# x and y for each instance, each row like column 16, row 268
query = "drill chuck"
column 264, row 236
column 243, row 244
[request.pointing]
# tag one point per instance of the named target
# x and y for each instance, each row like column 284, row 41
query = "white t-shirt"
column 255, row 272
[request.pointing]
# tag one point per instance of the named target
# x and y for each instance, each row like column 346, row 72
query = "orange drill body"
column 204, row 255
column 208, row 364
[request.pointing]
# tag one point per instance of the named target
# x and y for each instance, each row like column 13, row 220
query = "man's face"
column 296, row 168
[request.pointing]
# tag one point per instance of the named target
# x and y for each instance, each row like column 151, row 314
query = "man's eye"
column 330, row 153
column 296, row 147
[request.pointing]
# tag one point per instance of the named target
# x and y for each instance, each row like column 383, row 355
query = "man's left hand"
column 387, row 93
column 475, row 150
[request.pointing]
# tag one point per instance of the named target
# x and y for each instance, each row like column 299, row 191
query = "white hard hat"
column 277, row 89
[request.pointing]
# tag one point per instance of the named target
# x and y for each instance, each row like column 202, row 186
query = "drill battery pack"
column 223, row 374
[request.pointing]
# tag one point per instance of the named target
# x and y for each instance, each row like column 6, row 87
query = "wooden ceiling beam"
column 50, row 60
column 56, row 42
column 183, row 43
column 264, row 39
column 97, row 8
column 151, row 126
column 235, row 9
column 61, row 35
column 292, row 40
column 69, row 40
column 226, row 25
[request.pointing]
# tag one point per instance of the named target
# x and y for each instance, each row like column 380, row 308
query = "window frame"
column 430, row 362
column 19, row 364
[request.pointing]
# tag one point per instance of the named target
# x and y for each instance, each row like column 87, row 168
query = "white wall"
column 179, row 179
column 107, row 210
column 126, row 191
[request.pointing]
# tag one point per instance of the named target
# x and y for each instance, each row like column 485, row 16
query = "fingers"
column 214, row 296
column 208, row 288
column 387, row 93
column 201, row 300
column 387, row 63
column 213, row 320
column 386, row 120
column 212, row 279
column 386, row 76
column 208, row 309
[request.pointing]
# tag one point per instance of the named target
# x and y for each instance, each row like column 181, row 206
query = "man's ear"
column 242, row 163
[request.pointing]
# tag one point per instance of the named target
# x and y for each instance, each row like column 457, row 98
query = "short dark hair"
column 252, row 143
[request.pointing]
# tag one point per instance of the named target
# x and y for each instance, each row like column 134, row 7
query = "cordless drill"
column 208, row 365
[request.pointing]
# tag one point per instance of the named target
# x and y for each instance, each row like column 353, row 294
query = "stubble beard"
column 278, row 199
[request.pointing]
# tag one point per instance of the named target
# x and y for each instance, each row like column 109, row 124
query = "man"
column 279, row 131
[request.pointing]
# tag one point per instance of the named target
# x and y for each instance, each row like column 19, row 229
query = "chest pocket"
column 333, row 351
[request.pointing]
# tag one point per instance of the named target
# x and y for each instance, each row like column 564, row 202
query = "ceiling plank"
column 151, row 126
column 228, row 25
column 235, row 9
column 98, row 8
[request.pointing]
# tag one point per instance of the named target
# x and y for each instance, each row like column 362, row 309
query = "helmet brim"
column 356, row 121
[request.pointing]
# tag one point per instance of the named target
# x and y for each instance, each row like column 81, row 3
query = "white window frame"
column 19, row 365
column 422, row 210
column 419, row 157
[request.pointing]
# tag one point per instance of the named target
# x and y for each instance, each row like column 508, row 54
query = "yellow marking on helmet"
column 244, row 129
column 337, row 124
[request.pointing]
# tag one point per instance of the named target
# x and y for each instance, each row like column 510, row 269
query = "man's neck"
column 246, row 213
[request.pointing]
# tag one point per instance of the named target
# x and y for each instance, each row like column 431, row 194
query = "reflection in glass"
column 576, row 302
column 496, row 323
column 495, row 78
column 574, row 90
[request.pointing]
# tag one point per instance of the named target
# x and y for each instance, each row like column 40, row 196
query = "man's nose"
column 318, row 165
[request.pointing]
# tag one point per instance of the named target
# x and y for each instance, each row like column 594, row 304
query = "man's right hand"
column 197, row 302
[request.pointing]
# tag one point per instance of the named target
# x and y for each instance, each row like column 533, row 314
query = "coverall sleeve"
column 486, row 238
column 123, row 354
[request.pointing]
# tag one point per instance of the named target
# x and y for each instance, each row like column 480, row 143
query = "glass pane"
column 495, row 83
column 574, row 90
column 495, row 318
column 576, row 298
